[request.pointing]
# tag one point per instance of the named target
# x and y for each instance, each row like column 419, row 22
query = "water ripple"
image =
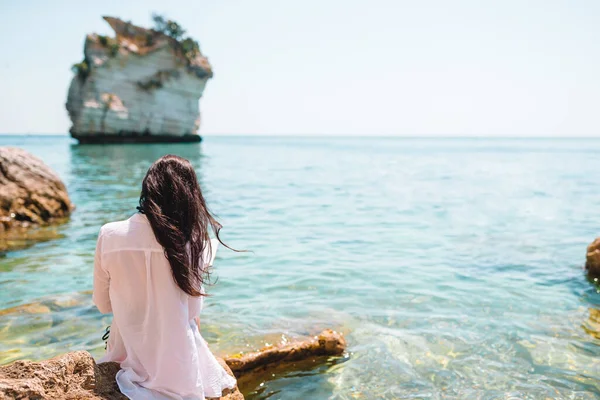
column 453, row 266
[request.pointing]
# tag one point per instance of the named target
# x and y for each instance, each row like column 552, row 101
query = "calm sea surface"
column 454, row 266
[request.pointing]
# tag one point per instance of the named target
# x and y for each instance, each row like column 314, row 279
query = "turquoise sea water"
column 454, row 266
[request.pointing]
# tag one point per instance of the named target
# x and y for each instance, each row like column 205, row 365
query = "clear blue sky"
column 376, row 67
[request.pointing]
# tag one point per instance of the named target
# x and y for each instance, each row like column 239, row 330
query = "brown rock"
column 592, row 262
column 69, row 376
column 327, row 343
column 29, row 190
column 31, row 194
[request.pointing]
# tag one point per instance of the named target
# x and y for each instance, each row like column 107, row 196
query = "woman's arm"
column 101, row 281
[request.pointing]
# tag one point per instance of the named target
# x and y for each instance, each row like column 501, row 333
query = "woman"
column 149, row 271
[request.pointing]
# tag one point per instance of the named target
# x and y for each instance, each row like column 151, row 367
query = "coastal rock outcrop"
column 70, row 376
column 31, row 194
column 143, row 85
column 76, row 375
column 592, row 260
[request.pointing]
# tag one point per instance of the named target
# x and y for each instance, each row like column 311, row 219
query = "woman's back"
column 153, row 334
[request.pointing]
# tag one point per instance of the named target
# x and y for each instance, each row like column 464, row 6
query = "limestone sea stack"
column 31, row 194
column 143, row 85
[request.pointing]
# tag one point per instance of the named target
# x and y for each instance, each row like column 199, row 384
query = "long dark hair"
column 172, row 200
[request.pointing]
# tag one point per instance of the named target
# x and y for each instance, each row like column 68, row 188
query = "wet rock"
column 592, row 262
column 327, row 343
column 31, row 194
column 252, row 369
column 77, row 376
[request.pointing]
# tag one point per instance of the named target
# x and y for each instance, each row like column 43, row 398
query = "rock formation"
column 143, row 85
column 253, row 368
column 70, row 376
column 77, row 376
column 592, row 261
column 31, row 194
column 327, row 343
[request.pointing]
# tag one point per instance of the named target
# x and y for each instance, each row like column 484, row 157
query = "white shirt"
column 153, row 334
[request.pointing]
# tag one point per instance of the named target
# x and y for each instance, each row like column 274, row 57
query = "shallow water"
column 454, row 266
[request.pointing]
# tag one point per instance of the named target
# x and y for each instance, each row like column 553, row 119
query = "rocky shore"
column 76, row 375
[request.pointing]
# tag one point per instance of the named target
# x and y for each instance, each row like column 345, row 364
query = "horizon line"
column 349, row 135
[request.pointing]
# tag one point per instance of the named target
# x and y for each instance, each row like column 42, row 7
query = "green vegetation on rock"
column 157, row 80
column 184, row 46
column 81, row 69
column 110, row 44
column 189, row 47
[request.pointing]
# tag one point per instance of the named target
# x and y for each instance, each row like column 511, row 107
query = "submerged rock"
column 252, row 369
column 140, row 86
column 31, row 194
column 76, row 375
column 592, row 260
column 327, row 343
column 592, row 324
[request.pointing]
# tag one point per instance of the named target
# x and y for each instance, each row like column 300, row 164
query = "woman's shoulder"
column 134, row 233
column 123, row 227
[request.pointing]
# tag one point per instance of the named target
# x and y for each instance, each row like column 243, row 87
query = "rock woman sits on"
column 149, row 271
